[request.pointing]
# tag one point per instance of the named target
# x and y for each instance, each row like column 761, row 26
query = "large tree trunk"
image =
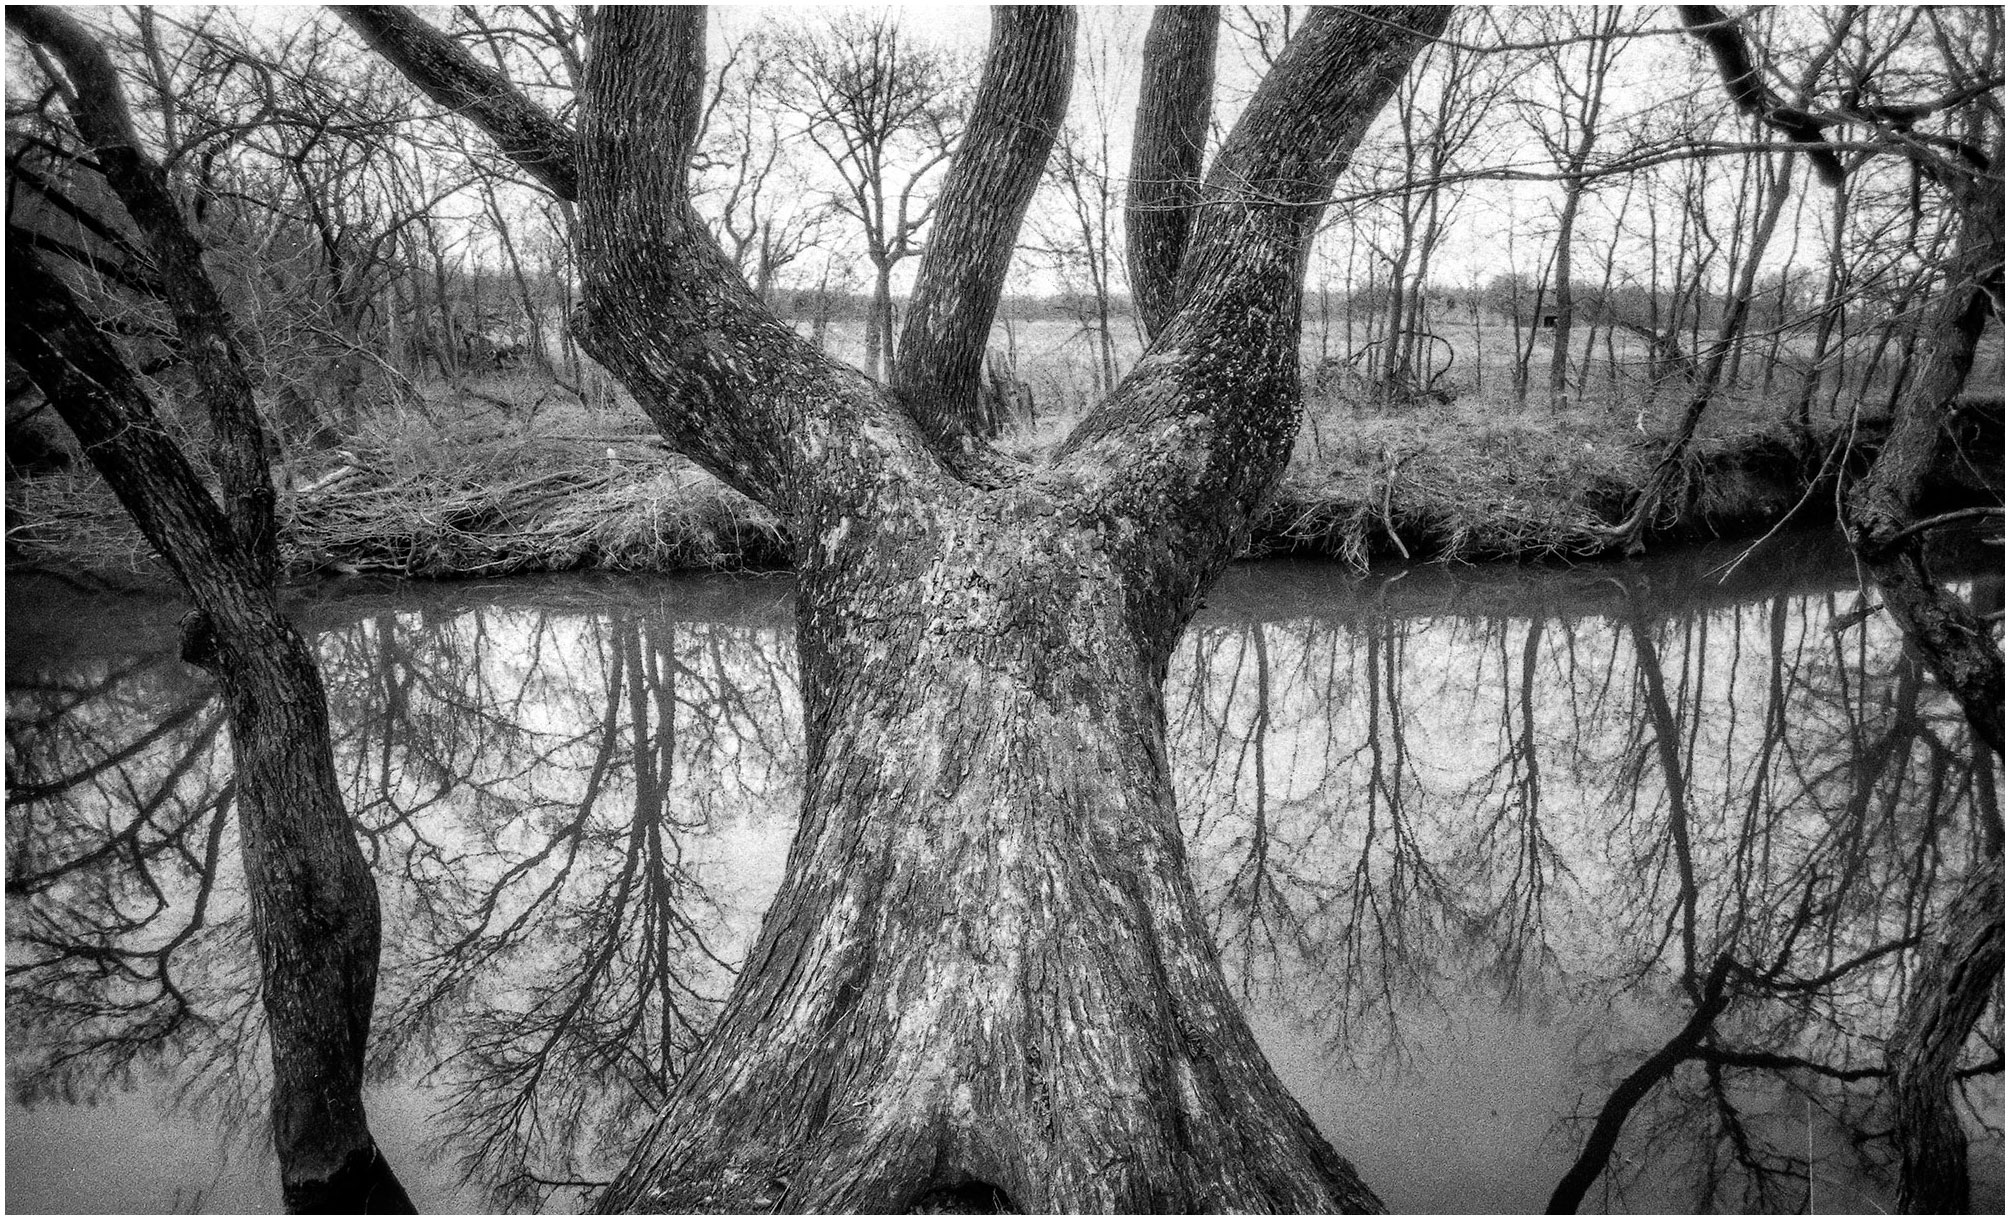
column 987, row 970
column 1963, row 966
column 985, row 973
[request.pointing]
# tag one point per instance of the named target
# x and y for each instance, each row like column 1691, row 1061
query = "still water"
column 1462, row 834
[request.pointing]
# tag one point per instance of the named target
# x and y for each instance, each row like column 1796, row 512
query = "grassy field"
column 507, row 474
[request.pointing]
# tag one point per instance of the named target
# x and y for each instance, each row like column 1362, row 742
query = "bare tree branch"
column 450, row 76
column 1725, row 40
column 207, row 340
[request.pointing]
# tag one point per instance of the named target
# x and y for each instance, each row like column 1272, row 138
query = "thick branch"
column 207, row 341
column 450, row 76
column 1186, row 448
column 1014, row 119
column 1726, row 44
column 1638, row 1083
column 1173, row 104
column 666, row 310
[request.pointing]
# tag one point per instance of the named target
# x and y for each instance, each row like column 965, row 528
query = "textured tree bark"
column 1013, row 121
column 452, row 77
column 987, row 968
column 314, row 905
column 1881, row 507
column 1174, row 101
column 207, row 343
column 985, row 978
column 1950, row 994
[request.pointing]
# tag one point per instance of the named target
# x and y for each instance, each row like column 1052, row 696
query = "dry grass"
column 1490, row 479
column 444, row 489
column 527, row 505
column 69, row 521
column 508, row 476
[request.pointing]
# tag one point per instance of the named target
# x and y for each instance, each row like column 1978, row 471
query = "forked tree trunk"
column 986, row 973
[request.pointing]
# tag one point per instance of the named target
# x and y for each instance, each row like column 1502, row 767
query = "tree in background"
column 1403, row 206
column 757, row 197
column 1083, row 235
column 1565, row 115
column 884, row 113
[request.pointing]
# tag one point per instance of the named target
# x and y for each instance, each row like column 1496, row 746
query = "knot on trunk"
column 199, row 644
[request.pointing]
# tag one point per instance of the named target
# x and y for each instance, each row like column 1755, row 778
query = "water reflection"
column 1525, row 813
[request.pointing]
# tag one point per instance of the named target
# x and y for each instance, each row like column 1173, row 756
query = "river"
column 1462, row 835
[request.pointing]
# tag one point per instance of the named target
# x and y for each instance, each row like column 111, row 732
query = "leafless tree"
column 823, row 1085
column 884, row 113
column 315, row 903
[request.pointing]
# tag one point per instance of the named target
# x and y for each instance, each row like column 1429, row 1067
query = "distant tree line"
column 1569, row 175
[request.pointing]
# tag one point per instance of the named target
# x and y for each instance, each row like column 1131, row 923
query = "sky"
column 1497, row 224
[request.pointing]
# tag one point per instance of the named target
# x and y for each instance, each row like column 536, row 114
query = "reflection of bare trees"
column 1307, row 847
column 533, row 790
column 565, row 945
column 1731, row 823
column 1744, row 831
column 1514, row 828
column 1804, row 883
column 109, row 898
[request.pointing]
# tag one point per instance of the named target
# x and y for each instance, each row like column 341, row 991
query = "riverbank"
column 1464, row 482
